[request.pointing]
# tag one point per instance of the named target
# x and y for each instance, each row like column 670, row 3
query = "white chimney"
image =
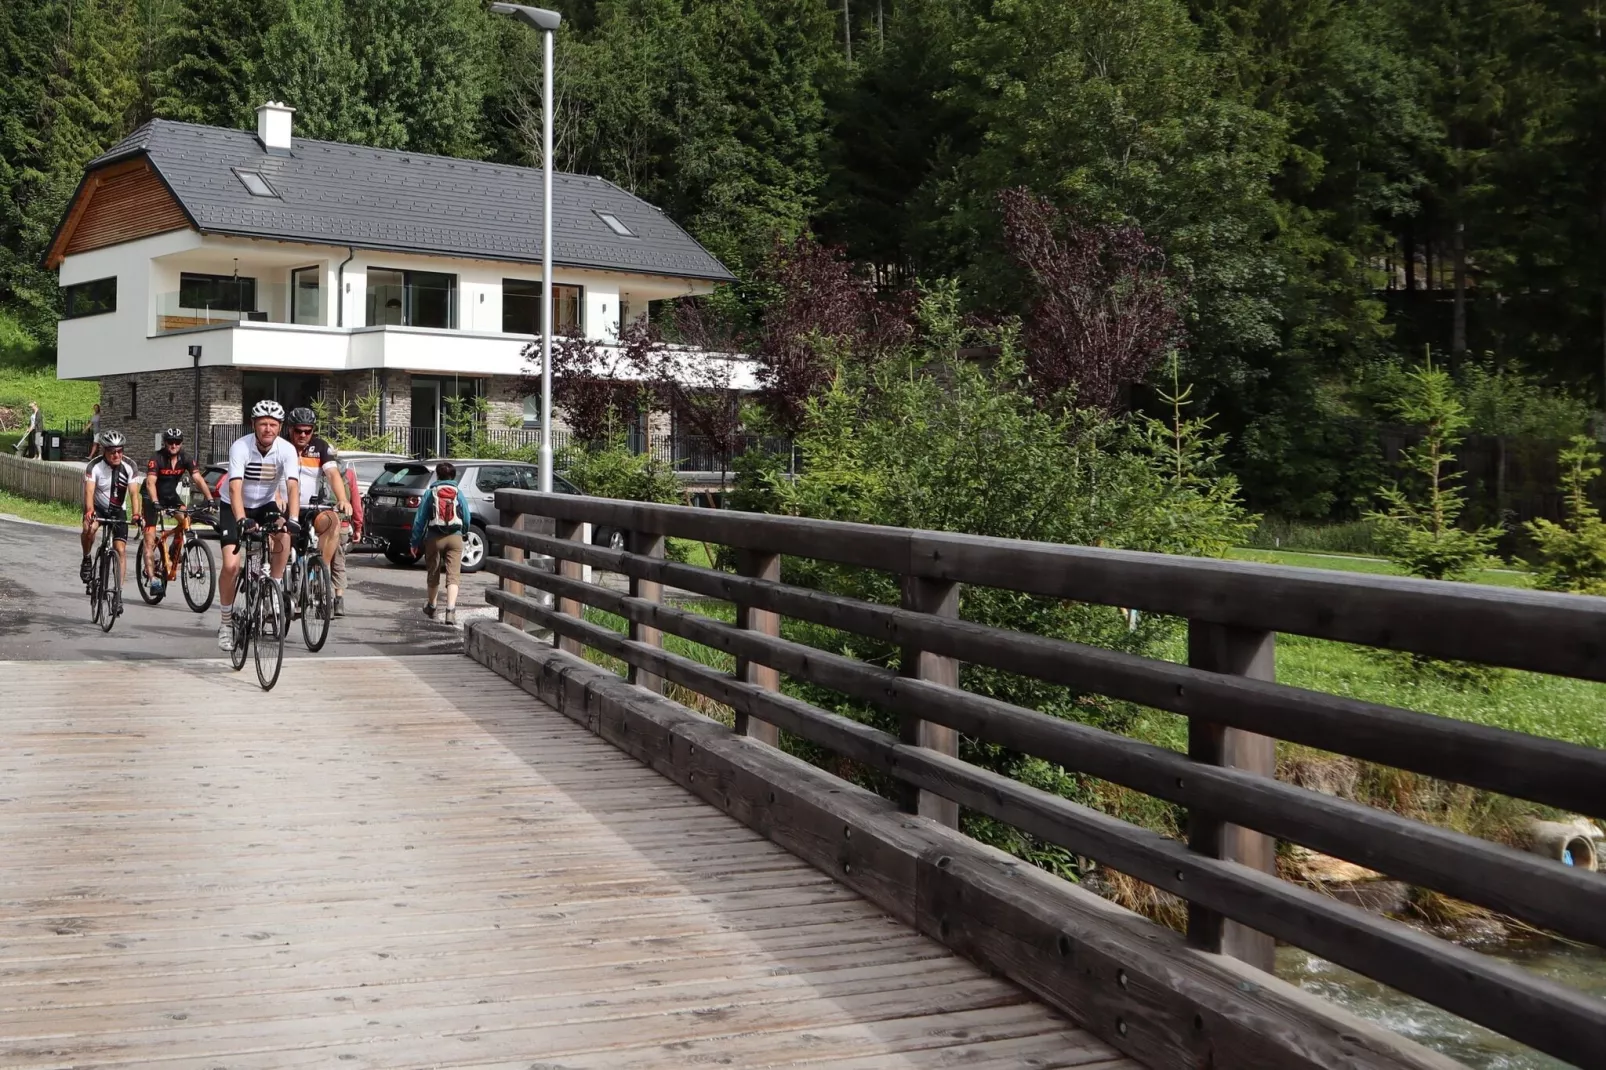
column 273, row 126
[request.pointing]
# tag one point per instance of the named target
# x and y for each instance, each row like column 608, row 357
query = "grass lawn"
column 59, row 399
column 44, row 512
column 1374, row 565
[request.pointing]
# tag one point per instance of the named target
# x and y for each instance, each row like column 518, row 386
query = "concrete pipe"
column 1563, row 841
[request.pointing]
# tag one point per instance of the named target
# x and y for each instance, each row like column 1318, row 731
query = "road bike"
column 183, row 558
column 105, row 592
column 308, row 585
column 261, row 611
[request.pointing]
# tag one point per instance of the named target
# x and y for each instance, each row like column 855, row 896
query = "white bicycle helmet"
column 111, row 440
column 267, row 407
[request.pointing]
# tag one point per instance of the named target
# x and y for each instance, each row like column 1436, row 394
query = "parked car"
column 393, row 499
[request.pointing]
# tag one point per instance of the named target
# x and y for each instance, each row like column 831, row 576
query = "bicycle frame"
column 170, row 543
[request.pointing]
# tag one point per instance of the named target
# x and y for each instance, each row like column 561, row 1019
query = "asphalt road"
column 44, row 614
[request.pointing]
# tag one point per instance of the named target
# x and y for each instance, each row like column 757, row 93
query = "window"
column 288, row 389
column 217, row 293
column 615, row 225
column 306, row 295
column 133, row 400
column 521, row 308
column 255, row 184
column 493, row 477
column 90, row 298
column 411, row 298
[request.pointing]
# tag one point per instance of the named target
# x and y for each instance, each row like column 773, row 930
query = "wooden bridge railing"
column 1237, row 809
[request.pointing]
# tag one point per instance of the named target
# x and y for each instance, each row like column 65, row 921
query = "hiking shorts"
column 444, row 553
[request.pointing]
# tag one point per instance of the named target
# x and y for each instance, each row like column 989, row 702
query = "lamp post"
column 547, row 22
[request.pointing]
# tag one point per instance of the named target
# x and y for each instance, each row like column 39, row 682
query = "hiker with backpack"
column 438, row 528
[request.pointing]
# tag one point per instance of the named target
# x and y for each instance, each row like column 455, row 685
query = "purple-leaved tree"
column 1103, row 310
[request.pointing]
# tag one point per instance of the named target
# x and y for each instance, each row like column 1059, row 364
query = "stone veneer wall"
column 143, row 404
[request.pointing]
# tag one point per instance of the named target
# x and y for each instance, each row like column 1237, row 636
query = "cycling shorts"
column 117, row 520
column 228, row 529
column 150, row 509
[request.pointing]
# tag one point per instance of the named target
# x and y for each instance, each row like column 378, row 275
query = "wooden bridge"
column 414, row 862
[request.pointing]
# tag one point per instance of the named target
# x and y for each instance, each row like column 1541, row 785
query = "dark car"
column 393, row 499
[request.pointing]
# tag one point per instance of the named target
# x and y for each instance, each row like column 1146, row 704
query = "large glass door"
column 426, row 422
column 306, row 296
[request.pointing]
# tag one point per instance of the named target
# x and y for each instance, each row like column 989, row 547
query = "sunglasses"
column 301, row 430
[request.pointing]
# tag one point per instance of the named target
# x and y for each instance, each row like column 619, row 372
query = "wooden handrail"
column 1549, row 633
column 1559, row 634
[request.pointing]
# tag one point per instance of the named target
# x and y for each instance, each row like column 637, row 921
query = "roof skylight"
column 615, row 225
column 255, row 184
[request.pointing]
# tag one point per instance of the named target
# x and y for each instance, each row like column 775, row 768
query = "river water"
column 1580, row 968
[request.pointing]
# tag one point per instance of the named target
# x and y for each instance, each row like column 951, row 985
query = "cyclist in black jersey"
column 163, row 474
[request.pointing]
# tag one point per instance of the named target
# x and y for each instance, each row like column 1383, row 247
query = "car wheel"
column 475, row 548
column 610, row 538
column 399, row 553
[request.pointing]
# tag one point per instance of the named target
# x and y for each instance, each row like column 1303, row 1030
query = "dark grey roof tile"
column 409, row 201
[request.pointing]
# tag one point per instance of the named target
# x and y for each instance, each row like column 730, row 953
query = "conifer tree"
column 215, row 72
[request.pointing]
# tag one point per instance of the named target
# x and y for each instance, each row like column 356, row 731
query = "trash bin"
column 52, row 446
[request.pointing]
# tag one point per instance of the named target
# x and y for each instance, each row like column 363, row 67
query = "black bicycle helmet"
column 173, row 434
column 303, row 417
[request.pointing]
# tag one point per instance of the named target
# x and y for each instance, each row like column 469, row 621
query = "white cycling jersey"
column 111, row 481
column 264, row 474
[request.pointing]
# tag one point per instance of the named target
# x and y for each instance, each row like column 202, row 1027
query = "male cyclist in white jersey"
column 106, row 482
column 263, row 470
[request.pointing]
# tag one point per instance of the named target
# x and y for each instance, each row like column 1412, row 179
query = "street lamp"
column 547, row 22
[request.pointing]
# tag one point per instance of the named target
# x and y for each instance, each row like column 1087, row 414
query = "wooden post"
column 641, row 542
column 765, row 567
column 1238, row 652
column 939, row 598
column 573, row 531
column 508, row 518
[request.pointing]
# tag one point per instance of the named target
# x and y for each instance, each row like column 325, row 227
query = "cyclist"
column 262, row 468
column 163, row 473
column 317, row 459
column 106, row 482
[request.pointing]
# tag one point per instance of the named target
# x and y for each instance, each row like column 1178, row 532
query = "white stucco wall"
column 148, row 271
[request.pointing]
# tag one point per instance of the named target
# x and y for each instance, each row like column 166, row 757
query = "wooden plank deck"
column 411, row 863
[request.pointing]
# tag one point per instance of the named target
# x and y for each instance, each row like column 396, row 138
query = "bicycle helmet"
column 173, row 434
column 267, row 407
column 303, row 417
column 112, row 440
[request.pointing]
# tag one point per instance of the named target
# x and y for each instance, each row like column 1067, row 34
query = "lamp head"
column 538, row 17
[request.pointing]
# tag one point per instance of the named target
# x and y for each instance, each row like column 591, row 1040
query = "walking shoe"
column 85, row 570
column 158, row 585
column 429, row 611
column 225, row 638
column 451, row 617
column 340, row 605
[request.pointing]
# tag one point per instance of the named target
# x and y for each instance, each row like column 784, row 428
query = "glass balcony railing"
column 267, row 302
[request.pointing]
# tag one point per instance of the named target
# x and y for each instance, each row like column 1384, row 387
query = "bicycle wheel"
column 197, row 574
column 271, row 622
column 106, row 583
column 142, row 577
column 94, row 593
column 317, row 604
column 241, row 618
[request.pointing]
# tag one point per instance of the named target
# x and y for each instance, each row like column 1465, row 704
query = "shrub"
column 612, row 470
column 1573, row 553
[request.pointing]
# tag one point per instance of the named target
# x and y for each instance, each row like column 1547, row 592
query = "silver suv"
column 393, row 499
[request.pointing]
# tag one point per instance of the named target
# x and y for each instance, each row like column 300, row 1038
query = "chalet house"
column 205, row 269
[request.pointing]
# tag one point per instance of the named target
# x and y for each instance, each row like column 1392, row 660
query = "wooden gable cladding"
column 117, row 204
